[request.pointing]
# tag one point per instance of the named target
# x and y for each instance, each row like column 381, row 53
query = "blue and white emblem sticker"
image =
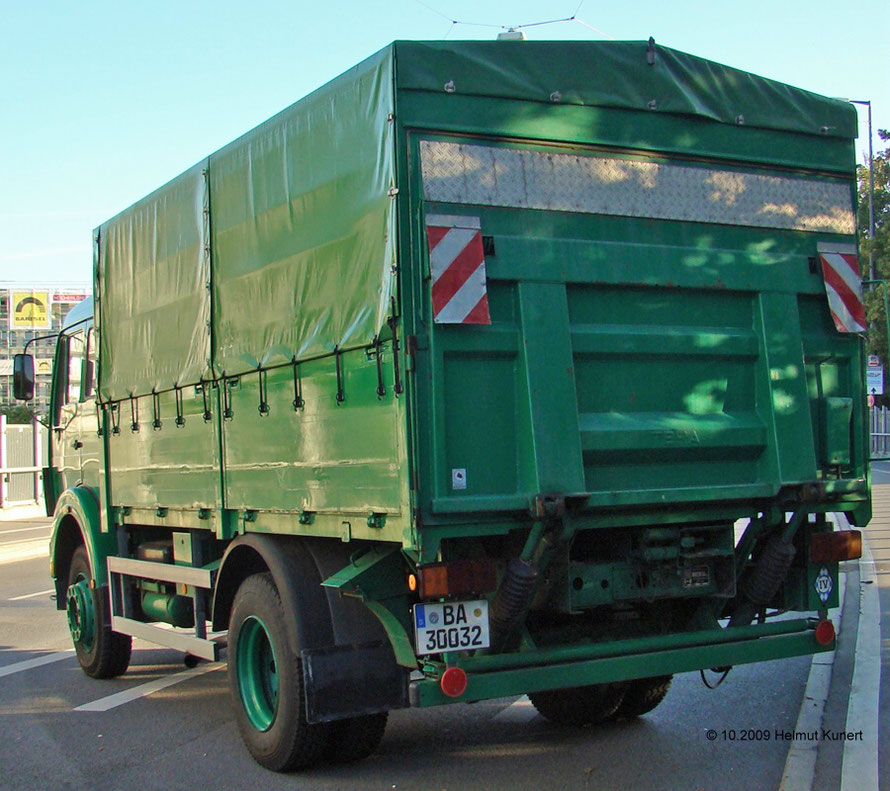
column 823, row 584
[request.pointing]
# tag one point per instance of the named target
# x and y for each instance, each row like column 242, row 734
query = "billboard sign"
column 29, row 310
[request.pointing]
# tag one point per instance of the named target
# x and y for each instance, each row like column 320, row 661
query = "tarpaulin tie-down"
column 843, row 285
column 457, row 266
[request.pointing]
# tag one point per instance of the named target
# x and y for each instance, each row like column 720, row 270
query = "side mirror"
column 23, row 377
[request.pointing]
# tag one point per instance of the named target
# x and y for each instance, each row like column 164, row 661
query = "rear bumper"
column 496, row 676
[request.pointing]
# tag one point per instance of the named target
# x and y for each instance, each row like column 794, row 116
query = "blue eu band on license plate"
column 451, row 626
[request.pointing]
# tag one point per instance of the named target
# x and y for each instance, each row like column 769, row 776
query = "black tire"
column 101, row 652
column 642, row 696
column 579, row 706
column 266, row 682
column 355, row 738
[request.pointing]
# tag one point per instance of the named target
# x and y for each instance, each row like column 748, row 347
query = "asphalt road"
column 183, row 736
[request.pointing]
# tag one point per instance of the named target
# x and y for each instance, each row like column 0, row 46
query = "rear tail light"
column 825, row 632
column 453, row 682
column 836, row 546
column 456, row 578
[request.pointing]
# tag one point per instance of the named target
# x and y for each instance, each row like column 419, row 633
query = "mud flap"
column 352, row 680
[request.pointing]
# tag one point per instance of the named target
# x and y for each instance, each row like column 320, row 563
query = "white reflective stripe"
column 33, row 595
column 859, row 767
column 556, row 181
column 448, row 249
column 465, row 299
column 840, row 310
column 453, row 221
column 840, row 265
column 134, row 693
column 28, row 664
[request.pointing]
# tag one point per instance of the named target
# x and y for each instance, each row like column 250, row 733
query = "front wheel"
column 101, row 652
column 266, row 682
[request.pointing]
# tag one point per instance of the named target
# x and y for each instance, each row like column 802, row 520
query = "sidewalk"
column 27, row 511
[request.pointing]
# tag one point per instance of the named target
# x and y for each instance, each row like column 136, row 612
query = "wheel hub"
column 257, row 674
column 81, row 615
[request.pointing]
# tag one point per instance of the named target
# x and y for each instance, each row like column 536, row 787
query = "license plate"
column 451, row 626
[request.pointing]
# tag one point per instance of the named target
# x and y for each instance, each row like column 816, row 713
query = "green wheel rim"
column 81, row 614
column 257, row 674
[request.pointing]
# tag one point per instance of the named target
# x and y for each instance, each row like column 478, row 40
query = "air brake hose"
column 766, row 578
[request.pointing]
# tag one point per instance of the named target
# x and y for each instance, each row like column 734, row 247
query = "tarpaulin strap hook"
column 228, row 414
column 116, row 418
column 204, row 395
column 177, row 395
column 393, row 322
column 99, row 431
column 381, row 388
column 341, row 396
column 134, row 413
column 263, row 408
column 156, row 411
column 298, row 387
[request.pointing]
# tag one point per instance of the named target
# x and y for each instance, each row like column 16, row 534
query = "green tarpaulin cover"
column 282, row 245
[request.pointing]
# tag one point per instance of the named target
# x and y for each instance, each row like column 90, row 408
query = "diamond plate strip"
column 517, row 178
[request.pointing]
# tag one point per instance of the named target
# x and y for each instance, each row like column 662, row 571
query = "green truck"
column 487, row 369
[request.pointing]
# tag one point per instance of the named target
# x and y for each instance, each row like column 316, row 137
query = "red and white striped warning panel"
column 843, row 285
column 457, row 265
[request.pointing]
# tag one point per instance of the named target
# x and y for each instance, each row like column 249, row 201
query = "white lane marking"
column 48, row 529
column 859, row 770
column 33, row 595
column 523, row 710
column 18, row 667
column 11, row 552
column 800, row 764
column 128, row 695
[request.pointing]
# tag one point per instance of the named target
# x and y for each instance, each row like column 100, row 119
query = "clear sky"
column 102, row 102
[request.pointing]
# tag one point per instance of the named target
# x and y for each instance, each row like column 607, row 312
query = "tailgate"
column 655, row 330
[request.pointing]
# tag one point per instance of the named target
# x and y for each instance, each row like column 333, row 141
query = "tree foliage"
column 16, row 414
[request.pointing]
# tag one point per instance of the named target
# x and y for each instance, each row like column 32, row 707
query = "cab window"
column 68, row 367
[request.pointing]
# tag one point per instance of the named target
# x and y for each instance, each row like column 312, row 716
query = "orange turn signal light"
column 836, row 546
column 456, row 578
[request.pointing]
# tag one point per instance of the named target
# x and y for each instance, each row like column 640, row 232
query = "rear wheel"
column 642, row 696
column 101, row 652
column 355, row 738
column 266, row 681
column 579, row 705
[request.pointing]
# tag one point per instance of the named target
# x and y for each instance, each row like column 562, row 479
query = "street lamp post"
column 871, row 190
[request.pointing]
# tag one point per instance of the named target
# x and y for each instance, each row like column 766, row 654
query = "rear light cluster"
column 835, row 547
column 454, row 578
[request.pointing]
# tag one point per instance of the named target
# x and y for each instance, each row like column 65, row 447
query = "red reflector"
column 454, row 681
column 825, row 632
column 836, row 546
column 456, row 578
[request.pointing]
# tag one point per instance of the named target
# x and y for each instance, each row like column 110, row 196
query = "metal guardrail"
column 879, row 430
column 21, row 472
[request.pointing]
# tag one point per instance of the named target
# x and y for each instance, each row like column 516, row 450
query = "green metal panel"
column 169, row 465
column 661, row 658
column 328, row 456
column 681, row 342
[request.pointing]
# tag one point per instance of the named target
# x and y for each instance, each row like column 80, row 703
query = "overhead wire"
column 456, row 22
